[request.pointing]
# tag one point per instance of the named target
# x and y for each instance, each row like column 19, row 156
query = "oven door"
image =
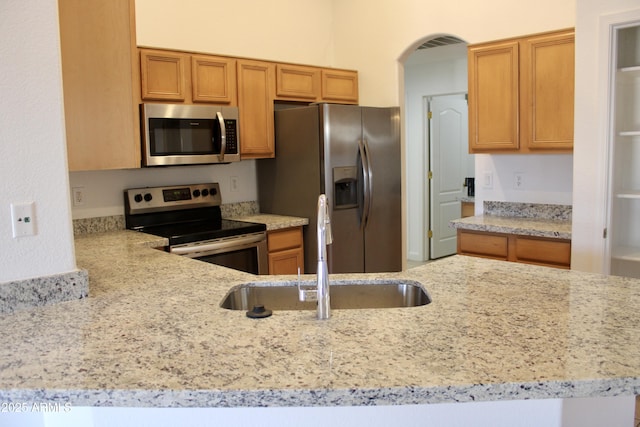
column 247, row 252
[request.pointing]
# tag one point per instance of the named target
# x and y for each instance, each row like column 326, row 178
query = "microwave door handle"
column 223, row 136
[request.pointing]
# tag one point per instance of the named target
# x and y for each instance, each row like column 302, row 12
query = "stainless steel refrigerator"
column 351, row 154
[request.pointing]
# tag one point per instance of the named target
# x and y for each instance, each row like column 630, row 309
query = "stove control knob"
column 213, row 191
column 148, row 197
column 205, row 192
column 196, row 193
column 137, row 198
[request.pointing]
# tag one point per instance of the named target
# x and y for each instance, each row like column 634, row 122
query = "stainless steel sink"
column 344, row 295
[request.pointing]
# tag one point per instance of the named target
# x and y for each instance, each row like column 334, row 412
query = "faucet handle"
column 309, row 294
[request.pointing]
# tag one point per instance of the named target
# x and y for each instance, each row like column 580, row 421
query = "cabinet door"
column 286, row 253
column 549, row 252
column 297, row 82
column 340, row 86
column 99, row 60
column 213, row 79
column 256, row 93
column 493, row 97
column 286, row 262
column 162, row 75
column 547, row 91
column 482, row 244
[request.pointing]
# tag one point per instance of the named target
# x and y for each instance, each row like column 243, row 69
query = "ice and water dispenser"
column 345, row 187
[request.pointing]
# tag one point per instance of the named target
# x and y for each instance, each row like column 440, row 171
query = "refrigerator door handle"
column 363, row 147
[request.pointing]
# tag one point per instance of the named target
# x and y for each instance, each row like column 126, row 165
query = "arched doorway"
column 435, row 71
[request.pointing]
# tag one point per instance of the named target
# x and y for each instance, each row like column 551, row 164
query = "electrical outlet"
column 23, row 219
column 518, row 181
column 233, row 184
column 78, row 196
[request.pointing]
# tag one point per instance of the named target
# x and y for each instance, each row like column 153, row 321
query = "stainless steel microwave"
column 175, row 134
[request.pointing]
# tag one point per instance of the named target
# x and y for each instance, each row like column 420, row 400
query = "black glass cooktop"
column 202, row 230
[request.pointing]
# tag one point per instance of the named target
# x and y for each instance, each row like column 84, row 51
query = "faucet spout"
column 325, row 237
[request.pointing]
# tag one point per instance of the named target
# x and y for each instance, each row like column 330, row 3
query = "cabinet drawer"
column 543, row 251
column 489, row 245
column 284, row 239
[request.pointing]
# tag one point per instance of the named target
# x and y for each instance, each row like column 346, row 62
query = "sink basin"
column 344, row 295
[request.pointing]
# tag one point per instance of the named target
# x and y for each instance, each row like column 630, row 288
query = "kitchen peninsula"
column 152, row 334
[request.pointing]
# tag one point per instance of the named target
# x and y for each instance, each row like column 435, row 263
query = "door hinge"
column 429, row 115
column 430, row 175
column 430, row 234
column 604, row 233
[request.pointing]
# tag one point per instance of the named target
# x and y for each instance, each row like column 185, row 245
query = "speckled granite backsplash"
column 116, row 222
column 239, row 209
column 528, row 210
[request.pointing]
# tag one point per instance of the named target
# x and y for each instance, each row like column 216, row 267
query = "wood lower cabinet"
column 286, row 251
column 256, row 92
column 515, row 248
column 101, row 98
column 521, row 94
column 467, row 209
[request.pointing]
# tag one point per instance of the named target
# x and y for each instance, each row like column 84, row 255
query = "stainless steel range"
column 190, row 217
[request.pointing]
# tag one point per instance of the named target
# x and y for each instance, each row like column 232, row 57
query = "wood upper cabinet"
column 521, row 94
column 315, row 84
column 213, row 79
column 547, row 91
column 494, row 97
column 100, row 96
column 297, row 82
column 162, row 75
column 340, row 86
column 184, row 77
column 256, row 92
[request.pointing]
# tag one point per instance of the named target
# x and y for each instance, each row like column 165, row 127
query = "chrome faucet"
column 325, row 237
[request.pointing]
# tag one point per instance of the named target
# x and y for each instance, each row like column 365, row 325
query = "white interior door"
column 448, row 133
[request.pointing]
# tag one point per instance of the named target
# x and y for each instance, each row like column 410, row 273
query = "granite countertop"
column 273, row 222
column 528, row 219
column 152, row 333
column 540, row 227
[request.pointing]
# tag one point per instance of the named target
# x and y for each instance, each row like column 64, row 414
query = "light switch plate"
column 488, row 180
column 23, row 219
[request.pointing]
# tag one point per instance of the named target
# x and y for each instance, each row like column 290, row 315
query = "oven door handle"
column 235, row 242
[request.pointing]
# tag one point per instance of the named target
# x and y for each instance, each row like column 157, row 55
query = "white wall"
column 103, row 190
column 590, row 152
column 297, row 31
column 372, row 39
column 32, row 150
column 581, row 412
column 547, row 178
